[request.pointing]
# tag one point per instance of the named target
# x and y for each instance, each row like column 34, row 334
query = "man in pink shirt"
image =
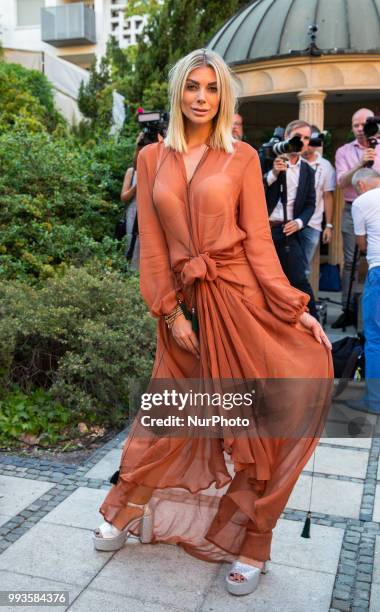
column 350, row 158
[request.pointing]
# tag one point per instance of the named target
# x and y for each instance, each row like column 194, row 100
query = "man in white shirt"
column 325, row 183
column 366, row 218
column 286, row 221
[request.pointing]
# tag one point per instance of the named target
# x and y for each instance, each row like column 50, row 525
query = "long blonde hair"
column 227, row 83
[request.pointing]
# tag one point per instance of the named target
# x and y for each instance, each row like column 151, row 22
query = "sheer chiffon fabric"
column 210, row 242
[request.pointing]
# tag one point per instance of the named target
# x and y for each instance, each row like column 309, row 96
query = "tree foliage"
column 73, row 327
column 113, row 72
column 26, row 100
column 59, row 203
column 174, row 28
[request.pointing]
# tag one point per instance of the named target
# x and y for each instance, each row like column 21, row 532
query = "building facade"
column 72, row 30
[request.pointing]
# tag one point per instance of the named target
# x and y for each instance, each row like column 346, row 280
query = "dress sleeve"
column 286, row 302
column 156, row 278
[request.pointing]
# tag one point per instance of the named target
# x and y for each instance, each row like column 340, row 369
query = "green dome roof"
column 271, row 28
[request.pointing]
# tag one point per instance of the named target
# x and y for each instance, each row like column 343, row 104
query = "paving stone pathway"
column 48, row 510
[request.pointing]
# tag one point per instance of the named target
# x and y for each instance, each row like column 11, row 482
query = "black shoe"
column 344, row 320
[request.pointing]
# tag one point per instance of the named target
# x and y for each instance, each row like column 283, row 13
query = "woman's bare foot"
column 112, row 536
column 236, row 577
column 126, row 515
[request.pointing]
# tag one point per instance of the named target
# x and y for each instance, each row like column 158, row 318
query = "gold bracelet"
column 171, row 322
column 171, row 317
column 171, row 314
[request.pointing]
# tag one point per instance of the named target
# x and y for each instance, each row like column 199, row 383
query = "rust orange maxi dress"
column 215, row 505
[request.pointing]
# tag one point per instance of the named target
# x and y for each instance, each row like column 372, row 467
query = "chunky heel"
column 106, row 539
column 251, row 577
column 146, row 526
column 265, row 569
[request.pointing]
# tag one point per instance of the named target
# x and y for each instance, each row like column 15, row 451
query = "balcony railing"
column 68, row 25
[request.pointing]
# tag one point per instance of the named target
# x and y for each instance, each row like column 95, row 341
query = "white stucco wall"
column 13, row 36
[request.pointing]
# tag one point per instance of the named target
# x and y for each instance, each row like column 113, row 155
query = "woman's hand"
column 311, row 323
column 184, row 336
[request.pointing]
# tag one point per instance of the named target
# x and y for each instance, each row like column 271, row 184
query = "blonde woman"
column 205, row 241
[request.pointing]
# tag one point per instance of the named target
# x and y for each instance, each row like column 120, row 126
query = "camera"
column 371, row 130
column 317, row 139
column 292, row 145
column 278, row 146
column 152, row 123
column 266, row 149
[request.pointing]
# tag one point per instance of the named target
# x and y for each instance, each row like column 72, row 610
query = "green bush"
column 26, row 100
column 73, row 329
column 59, row 204
column 82, row 338
column 107, row 161
column 36, row 418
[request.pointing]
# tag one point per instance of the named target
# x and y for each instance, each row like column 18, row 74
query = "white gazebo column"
column 312, row 110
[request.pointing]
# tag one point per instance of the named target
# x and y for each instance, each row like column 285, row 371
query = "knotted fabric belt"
column 202, row 267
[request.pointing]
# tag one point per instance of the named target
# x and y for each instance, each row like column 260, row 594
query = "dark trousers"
column 349, row 243
column 293, row 263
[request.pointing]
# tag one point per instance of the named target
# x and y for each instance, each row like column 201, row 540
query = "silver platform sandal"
column 109, row 538
column 251, row 575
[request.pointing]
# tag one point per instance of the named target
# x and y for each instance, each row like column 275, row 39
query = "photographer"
column 366, row 220
column 325, row 183
column 154, row 126
column 128, row 196
column 350, row 158
column 290, row 196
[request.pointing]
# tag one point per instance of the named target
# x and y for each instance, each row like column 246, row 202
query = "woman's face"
column 200, row 99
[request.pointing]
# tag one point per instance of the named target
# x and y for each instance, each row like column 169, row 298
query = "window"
column 29, row 12
column 138, row 23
